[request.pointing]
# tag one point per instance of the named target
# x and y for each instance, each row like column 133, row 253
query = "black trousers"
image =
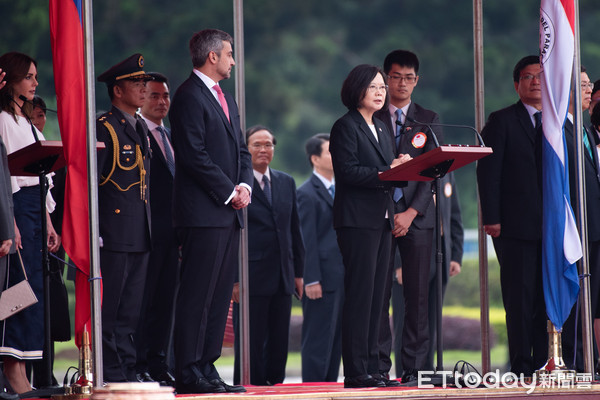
column 208, row 267
column 415, row 252
column 322, row 337
column 123, row 279
column 156, row 324
column 523, row 298
column 366, row 255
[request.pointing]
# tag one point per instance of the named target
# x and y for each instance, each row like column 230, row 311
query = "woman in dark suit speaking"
column 361, row 147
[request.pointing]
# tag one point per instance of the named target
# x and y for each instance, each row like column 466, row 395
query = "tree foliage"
column 298, row 52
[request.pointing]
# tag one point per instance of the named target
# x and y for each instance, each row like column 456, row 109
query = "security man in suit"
column 276, row 262
column 156, row 322
column 414, row 211
column 452, row 252
column 124, row 211
column 323, row 269
column 510, row 191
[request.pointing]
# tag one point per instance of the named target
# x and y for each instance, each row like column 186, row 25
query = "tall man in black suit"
column 323, row 269
column 276, row 262
column 154, row 331
column 571, row 333
column 414, row 212
column 510, row 191
column 212, row 184
column 124, row 168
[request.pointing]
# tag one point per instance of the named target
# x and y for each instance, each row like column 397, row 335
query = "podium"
column 38, row 159
column 436, row 163
column 432, row 166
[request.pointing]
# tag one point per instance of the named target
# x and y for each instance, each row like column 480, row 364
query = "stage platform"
column 336, row 391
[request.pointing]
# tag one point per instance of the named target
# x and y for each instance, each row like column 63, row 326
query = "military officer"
column 124, row 211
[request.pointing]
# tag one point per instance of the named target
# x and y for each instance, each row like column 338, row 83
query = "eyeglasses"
column 528, row 77
column 375, row 89
column 258, row 146
column 401, row 78
column 587, row 85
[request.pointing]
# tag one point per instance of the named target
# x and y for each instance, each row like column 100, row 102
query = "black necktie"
column 267, row 189
column 168, row 152
column 538, row 120
column 398, row 193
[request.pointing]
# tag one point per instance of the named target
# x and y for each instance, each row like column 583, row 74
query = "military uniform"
column 124, row 222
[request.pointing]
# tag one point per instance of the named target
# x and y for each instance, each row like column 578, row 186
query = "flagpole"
column 481, row 236
column 96, row 312
column 240, row 95
column 584, row 294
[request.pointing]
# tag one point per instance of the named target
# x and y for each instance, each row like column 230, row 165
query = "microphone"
column 26, row 100
column 429, row 125
column 433, row 135
column 35, row 136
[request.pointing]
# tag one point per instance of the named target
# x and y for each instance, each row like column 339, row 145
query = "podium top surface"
column 42, row 156
column 457, row 156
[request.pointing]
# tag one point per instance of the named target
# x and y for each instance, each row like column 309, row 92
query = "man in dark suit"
column 276, row 262
column 452, row 252
column 212, row 184
column 510, row 191
column 153, row 337
column 572, row 334
column 323, row 269
column 124, row 212
column 414, row 212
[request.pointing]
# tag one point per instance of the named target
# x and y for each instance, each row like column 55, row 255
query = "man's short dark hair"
column 524, row 62
column 403, row 58
column 596, row 87
column 356, row 84
column 39, row 103
column 253, row 129
column 595, row 117
column 158, row 77
column 314, row 146
column 203, row 42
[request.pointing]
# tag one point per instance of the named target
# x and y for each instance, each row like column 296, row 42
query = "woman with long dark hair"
column 23, row 334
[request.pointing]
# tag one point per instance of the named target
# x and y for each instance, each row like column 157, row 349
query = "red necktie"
column 222, row 101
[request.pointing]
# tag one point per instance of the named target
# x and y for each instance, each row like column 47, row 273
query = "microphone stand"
column 437, row 172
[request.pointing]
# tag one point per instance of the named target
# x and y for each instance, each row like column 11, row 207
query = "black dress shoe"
column 164, row 378
column 8, row 396
column 389, row 382
column 144, row 377
column 364, row 381
column 228, row 388
column 410, row 378
column 202, row 385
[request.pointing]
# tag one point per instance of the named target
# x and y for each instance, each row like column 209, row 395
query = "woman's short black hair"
column 356, row 84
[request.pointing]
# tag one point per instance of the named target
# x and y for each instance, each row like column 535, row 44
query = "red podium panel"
column 44, row 155
column 456, row 156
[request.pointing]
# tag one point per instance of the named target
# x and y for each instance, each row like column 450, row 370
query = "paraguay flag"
column 66, row 29
column 561, row 246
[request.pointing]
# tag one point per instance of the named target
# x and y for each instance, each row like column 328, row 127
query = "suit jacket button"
column 117, row 211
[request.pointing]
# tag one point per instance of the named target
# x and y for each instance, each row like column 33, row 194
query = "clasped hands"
column 241, row 199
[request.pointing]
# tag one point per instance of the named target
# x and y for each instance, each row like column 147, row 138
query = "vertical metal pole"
column 584, row 294
column 240, row 95
column 95, row 294
column 482, row 238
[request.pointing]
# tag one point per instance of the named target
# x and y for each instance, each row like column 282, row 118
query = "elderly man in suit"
column 510, row 191
column 212, row 184
column 414, row 212
column 276, row 262
column 154, row 331
column 323, row 269
column 124, row 168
